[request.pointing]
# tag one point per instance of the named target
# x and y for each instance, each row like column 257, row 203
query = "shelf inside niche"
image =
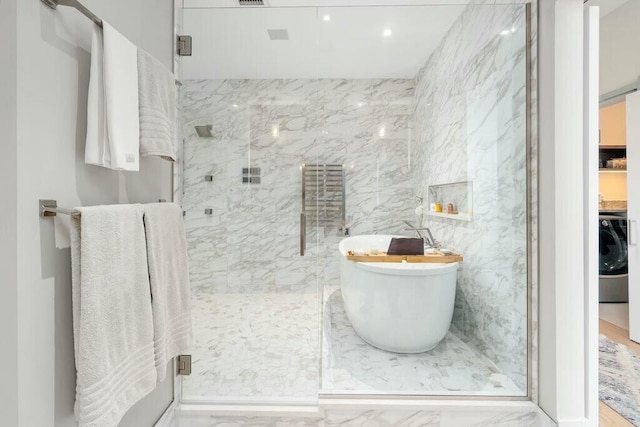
column 459, row 216
column 460, row 194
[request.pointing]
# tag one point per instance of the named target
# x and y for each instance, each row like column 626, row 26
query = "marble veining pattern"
column 249, row 244
column 259, row 346
column 277, row 125
column 454, row 367
column 528, row 416
column 470, row 125
column 532, row 170
column 460, row 119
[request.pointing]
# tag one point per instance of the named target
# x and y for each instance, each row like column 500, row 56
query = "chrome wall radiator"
column 323, row 199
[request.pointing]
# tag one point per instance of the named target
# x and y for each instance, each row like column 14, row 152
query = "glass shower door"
column 255, row 298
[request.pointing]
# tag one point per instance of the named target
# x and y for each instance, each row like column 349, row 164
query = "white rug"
column 620, row 379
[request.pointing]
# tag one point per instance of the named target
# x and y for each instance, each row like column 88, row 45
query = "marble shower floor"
column 254, row 347
column 266, row 348
column 351, row 366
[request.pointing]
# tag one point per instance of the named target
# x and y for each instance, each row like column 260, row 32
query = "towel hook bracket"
column 44, row 204
column 48, row 207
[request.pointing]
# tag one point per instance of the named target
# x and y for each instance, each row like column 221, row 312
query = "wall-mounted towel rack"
column 50, row 208
column 77, row 5
column 53, row 4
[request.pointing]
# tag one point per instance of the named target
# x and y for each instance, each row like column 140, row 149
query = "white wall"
column 562, row 318
column 620, row 47
column 8, row 198
column 53, row 73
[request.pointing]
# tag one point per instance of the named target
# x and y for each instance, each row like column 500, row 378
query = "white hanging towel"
column 112, row 320
column 113, row 128
column 157, row 102
column 169, row 277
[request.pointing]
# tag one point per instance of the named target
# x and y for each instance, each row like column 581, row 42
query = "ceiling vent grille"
column 278, row 34
column 251, row 2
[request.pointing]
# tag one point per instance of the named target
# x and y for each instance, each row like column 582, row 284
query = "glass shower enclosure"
column 333, row 121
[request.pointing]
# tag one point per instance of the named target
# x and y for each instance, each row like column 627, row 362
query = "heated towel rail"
column 323, row 199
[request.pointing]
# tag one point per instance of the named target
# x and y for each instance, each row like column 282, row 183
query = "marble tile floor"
column 266, row 348
column 351, row 366
column 257, row 347
column 452, row 417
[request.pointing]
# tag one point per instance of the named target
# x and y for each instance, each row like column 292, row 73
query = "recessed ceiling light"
column 326, row 18
column 387, row 32
column 505, row 32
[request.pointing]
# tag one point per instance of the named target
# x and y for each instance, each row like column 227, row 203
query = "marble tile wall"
column 470, row 125
column 250, row 241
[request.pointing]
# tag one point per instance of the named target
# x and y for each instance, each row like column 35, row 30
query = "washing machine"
column 614, row 274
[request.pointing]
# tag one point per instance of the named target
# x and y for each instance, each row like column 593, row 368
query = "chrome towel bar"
column 49, row 207
column 77, row 5
column 53, row 4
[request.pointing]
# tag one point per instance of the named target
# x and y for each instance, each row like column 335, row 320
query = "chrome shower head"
column 204, row 131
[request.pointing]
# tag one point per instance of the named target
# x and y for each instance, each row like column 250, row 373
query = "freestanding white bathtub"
column 398, row 307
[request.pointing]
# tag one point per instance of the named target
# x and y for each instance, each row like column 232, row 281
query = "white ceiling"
column 233, row 43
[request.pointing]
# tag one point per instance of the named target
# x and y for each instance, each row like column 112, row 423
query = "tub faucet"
column 429, row 241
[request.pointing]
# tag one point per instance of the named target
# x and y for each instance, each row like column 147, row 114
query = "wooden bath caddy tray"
column 435, row 257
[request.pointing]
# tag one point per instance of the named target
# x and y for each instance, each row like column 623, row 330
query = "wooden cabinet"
column 613, row 125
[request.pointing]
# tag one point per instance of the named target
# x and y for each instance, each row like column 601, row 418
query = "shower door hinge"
column 183, row 364
column 184, row 45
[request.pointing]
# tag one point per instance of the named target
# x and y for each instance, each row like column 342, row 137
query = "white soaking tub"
column 398, row 307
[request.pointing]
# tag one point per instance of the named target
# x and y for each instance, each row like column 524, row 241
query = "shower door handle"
column 632, row 228
column 303, row 233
